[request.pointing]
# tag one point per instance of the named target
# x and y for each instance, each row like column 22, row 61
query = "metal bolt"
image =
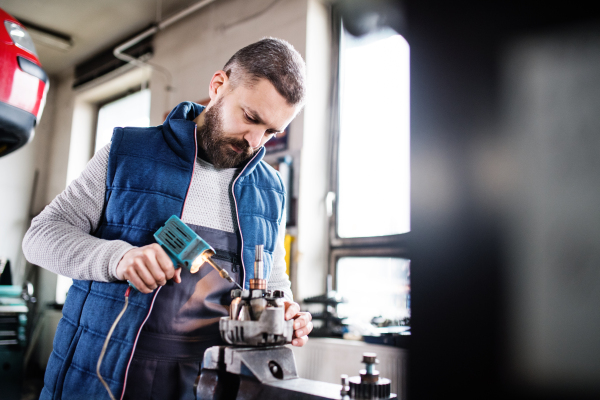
column 275, row 370
column 370, row 359
column 345, row 388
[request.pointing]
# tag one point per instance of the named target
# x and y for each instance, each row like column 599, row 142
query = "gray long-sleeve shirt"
column 59, row 238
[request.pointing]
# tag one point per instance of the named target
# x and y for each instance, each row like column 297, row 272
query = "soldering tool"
column 186, row 249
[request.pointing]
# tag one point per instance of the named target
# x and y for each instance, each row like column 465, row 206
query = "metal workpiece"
column 258, row 253
column 234, row 308
column 257, row 306
column 259, row 271
column 256, row 316
column 271, row 329
column 244, row 293
column 278, row 302
column 244, row 314
column 258, row 284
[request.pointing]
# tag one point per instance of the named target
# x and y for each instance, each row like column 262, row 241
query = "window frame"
column 376, row 246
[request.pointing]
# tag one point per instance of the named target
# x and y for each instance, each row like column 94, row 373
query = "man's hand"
column 302, row 324
column 147, row 268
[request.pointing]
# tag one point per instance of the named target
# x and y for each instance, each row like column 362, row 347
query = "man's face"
column 240, row 121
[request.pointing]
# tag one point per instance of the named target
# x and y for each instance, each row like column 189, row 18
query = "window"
column 130, row 110
column 370, row 183
column 374, row 285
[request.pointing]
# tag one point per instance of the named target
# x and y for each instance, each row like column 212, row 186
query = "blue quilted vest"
column 148, row 177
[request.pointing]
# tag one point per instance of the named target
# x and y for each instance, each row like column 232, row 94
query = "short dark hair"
column 272, row 59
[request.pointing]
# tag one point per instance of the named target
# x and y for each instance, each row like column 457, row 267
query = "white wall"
column 58, row 148
column 17, row 172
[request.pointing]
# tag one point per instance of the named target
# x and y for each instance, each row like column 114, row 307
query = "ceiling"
column 93, row 25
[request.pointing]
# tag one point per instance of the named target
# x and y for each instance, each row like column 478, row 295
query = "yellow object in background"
column 289, row 239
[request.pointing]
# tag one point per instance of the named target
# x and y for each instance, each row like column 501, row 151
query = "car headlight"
column 20, row 37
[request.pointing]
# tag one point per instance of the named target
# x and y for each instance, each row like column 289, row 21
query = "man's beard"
column 214, row 146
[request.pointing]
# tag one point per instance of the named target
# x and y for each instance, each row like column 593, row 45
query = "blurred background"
column 443, row 177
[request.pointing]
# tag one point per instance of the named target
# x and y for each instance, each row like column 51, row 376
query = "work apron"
column 183, row 323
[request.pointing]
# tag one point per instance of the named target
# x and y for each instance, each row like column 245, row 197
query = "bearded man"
column 203, row 165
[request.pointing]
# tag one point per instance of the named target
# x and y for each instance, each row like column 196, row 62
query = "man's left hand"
column 302, row 324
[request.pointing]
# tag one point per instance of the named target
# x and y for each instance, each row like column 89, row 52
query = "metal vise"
column 237, row 373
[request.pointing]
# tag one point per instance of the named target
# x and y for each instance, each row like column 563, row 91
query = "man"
column 204, row 165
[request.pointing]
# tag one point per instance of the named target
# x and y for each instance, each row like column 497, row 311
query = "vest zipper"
column 237, row 216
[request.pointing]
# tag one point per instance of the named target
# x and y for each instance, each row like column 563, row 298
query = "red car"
column 23, row 85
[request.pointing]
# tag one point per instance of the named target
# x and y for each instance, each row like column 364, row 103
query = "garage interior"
column 482, row 280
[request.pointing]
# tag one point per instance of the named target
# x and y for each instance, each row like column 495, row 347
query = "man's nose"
column 254, row 137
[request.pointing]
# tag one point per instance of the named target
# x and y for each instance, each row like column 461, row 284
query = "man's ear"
column 218, row 81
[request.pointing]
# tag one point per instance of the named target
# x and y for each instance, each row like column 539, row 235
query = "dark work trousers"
column 183, row 323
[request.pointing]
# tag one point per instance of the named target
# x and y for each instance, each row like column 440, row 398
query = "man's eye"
column 250, row 119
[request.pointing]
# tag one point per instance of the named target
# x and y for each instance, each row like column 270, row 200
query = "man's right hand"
column 147, row 268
